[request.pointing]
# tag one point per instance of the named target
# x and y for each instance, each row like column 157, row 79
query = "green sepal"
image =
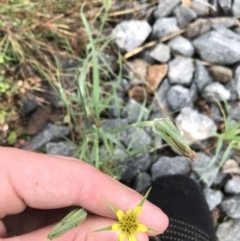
column 104, row 229
column 153, row 230
column 145, row 197
column 114, row 209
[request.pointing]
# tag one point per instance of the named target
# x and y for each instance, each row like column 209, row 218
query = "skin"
column 36, row 189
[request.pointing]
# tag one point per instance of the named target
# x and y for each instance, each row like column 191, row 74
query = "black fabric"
column 180, row 198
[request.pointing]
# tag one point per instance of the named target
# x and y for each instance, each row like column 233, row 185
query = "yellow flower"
column 128, row 223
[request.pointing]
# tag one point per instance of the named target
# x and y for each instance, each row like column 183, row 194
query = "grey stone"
column 235, row 111
column 161, row 53
column 144, row 161
column 181, row 46
column 127, row 170
column 236, row 8
column 237, row 85
column 201, row 76
column 115, row 107
column 29, row 103
column 165, row 8
column 221, row 74
column 141, row 182
column 216, row 113
column 49, row 133
column 170, row 166
column 213, row 197
column 131, row 34
column 232, row 186
column 194, row 126
column 229, row 230
column 63, row 148
column 215, row 9
column 161, row 101
column 227, row 32
column 231, row 206
column 111, row 124
column 206, row 170
column 236, row 30
column 200, row 8
column 232, row 86
column 219, row 180
column 180, row 71
column 135, row 111
column 199, row 27
column 184, row 16
column 216, row 48
column 164, row 26
column 177, row 97
column 137, row 138
column 225, row 5
column 215, row 91
column 193, row 94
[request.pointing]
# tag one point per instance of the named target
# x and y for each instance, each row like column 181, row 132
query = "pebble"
column 200, row 8
column 233, row 88
column 63, row 148
column 49, row 133
column 180, row 71
column 165, row 8
column 229, row 230
column 227, row 32
column 213, row 197
column 160, row 101
column 221, row 74
column 137, row 138
column 126, row 31
column 142, row 182
column 231, row 206
column 135, row 111
column 235, row 111
column 161, row 53
column 199, row 27
column 225, row 5
column 181, row 46
column 29, row 103
column 165, row 166
column 232, row 186
column 194, row 126
column 184, row 15
column 216, row 48
column 215, row 91
column 164, row 26
column 177, row 97
column 205, row 171
column 236, row 8
column 201, row 76
column 111, row 124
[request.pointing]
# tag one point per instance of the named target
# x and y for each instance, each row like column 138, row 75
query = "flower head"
column 128, row 223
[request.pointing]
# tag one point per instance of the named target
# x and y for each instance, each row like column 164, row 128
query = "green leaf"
column 73, row 219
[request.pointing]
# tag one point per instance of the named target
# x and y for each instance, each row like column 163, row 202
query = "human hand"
column 35, row 188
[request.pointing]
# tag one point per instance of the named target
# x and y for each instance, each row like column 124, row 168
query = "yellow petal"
column 137, row 211
column 120, row 214
column 131, row 237
column 116, row 226
column 121, row 236
column 128, row 212
column 141, row 228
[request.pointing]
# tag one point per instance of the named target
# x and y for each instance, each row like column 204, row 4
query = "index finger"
column 45, row 182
